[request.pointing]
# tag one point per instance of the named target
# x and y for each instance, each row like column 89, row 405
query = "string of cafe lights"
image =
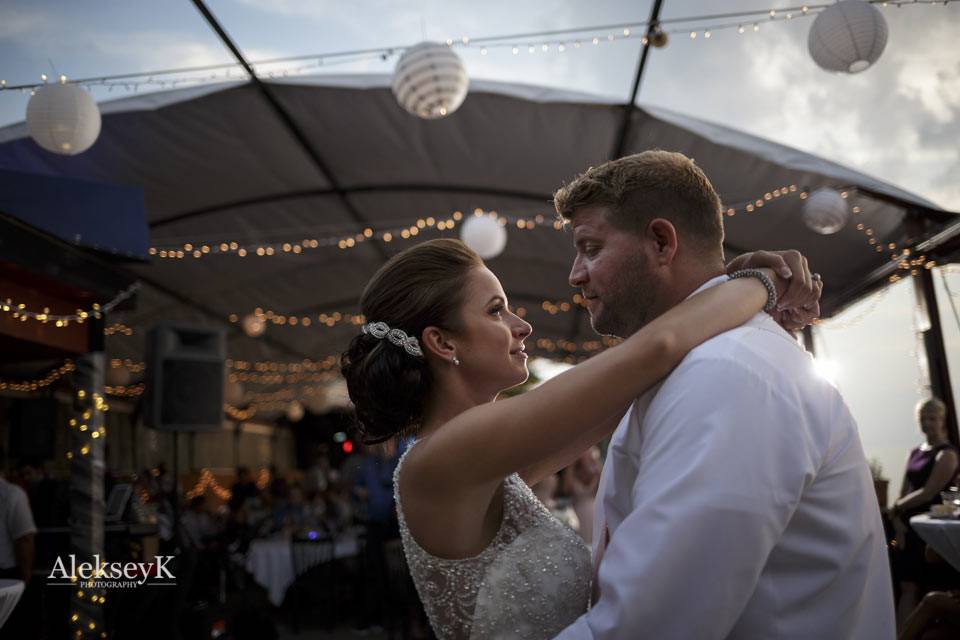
column 208, row 481
column 560, row 41
column 906, row 260
column 199, row 249
column 19, row 310
column 118, row 328
column 42, row 383
column 90, row 407
column 94, row 403
column 259, row 366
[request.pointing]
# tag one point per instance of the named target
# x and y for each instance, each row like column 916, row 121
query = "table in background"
column 270, row 561
column 942, row 534
column 10, row 592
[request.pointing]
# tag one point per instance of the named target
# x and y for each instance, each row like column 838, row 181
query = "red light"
column 347, row 447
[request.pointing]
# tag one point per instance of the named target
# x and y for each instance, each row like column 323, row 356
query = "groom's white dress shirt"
column 735, row 502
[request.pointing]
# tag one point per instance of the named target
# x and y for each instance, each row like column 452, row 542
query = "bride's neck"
column 450, row 399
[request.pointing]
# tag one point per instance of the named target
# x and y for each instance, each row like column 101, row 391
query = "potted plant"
column 880, row 484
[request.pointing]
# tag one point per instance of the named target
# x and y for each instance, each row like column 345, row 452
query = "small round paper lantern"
column 825, row 211
column 484, row 235
column 63, row 118
column 295, row 411
column 848, row 36
column 430, row 80
column 254, row 325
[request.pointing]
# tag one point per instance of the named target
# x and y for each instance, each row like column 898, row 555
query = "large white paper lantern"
column 430, row 80
column 63, row 118
column 825, row 211
column 484, row 235
column 848, row 36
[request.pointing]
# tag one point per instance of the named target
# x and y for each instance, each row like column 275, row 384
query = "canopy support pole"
column 930, row 328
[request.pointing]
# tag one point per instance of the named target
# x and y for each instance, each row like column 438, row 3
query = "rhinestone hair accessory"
column 398, row 337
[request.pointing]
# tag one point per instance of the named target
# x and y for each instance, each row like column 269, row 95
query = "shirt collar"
column 712, row 282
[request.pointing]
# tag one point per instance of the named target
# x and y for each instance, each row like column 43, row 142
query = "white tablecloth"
column 10, row 592
column 942, row 535
column 270, row 561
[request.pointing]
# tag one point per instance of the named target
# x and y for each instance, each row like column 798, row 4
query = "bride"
column 487, row 558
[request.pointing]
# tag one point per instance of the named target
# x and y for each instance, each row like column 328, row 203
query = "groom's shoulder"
column 760, row 346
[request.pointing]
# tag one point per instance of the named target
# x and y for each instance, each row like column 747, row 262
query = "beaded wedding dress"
column 531, row 582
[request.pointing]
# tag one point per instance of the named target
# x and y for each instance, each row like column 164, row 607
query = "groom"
column 735, row 501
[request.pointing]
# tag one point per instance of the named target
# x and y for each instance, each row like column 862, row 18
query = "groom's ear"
column 662, row 241
column 436, row 341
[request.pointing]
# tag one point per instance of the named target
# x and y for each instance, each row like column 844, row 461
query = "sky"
column 898, row 120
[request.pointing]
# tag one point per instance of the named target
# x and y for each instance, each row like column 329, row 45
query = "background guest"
column 17, row 531
column 930, row 469
column 580, row 482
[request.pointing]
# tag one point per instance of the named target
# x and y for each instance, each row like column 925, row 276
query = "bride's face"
column 491, row 346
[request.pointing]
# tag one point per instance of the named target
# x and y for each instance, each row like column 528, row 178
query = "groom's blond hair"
column 643, row 186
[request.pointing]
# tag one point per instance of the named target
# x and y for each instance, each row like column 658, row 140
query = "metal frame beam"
column 346, row 191
column 286, row 119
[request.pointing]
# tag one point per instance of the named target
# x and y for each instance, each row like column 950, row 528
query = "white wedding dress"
column 531, row 582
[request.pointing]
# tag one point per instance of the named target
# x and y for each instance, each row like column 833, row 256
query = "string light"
column 749, row 206
column 279, row 378
column 296, row 65
column 208, row 482
column 329, row 320
column 20, row 311
column 125, row 391
column 325, row 364
column 36, row 385
column 342, row 241
column 906, row 262
column 88, row 430
column 118, row 327
column 133, row 367
column 199, row 249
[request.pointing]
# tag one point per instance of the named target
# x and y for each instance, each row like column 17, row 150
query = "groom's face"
column 613, row 274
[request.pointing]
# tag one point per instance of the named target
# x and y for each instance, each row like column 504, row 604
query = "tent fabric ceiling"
column 216, row 164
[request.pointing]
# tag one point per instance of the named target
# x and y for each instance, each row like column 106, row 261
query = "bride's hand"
column 799, row 301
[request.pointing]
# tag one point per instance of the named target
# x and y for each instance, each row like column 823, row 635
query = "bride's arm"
column 539, row 470
column 485, row 444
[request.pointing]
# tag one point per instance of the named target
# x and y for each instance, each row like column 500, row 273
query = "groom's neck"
column 682, row 282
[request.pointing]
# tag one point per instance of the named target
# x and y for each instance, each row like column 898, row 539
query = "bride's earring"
column 456, row 361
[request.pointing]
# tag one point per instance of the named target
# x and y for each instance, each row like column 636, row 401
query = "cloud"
column 21, row 24
column 897, row 121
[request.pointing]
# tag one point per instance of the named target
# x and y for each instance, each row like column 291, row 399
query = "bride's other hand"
column 799, row 304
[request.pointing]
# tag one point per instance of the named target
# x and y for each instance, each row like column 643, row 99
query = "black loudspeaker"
column 184, row 378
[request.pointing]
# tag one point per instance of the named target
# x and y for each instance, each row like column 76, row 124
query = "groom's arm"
column 719, row 477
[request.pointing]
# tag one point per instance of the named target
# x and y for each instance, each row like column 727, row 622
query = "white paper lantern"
column 254, row 325
column 63, row 118
column 825, row 211
column 294, row 411
column 484, row 235
column 848, row 36
column 430, row 80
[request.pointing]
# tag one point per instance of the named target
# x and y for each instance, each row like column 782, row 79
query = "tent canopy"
column 217, row 165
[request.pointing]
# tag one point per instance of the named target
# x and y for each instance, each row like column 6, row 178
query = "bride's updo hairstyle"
column 420, row 287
